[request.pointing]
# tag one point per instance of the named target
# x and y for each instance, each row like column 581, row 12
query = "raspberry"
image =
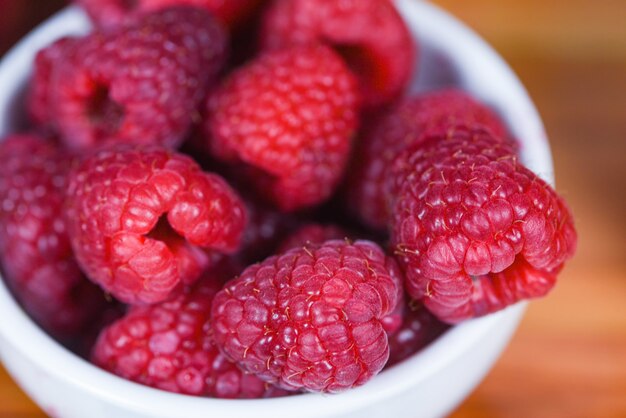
column 137, row 84
column 418, row 329
column 369, row 34
column 317, row 234
column 312, row 234
column 392, row 322
column 40, row 106
column 290, row 115
column 310, row 318
column 35, row 251
column 139, row 215
column 473, row 229
column 389, row 135
column 169, row 346
column 108, row 13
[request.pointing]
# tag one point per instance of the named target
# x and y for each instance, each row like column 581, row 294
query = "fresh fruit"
column 310, row 318
column 384, row 139
column 392, row 322
column 265, row 108
column 35, row 251
column 169, row 346
column 314, row 234
column 474, row 229
column 290, row 115
column 138, row 84
column 140, row 217
column 369, row 34
column 41, row 106
column 107, row 13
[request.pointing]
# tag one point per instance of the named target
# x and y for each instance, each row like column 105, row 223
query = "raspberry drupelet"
column 141, row 83
column 384, row 139
column 474, row 230
column 140, row 219
column 290, row 115
column 169, row 346
column 35, row 251
column 109, row 13
column 310, row 318
column 369, row 34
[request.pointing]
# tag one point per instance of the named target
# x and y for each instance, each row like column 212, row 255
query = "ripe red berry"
column 384, row 139
column 169, row 346
column 35, row 252
column 392, row 322
column 315, row 234
column 369, row 34
column 40, row 105
column 139, row 218
column 108, row 13
column 290, row 116
column 138, row 84
column 474, row 229
column 310, row 318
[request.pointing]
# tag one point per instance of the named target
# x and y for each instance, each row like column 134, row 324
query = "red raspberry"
column 138, row 215
column 107, row 13
column 389, row 135
column 35, row 249
column 311, row 317
column 169, row 346
column 312, row 234
column 475, row 230
column 418, row 329
column 290, row 115
column 369, row 34
column 392, row 322
column 137, row 84
column 40, row 106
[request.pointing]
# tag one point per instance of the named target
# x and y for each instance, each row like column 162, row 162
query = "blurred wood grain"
column 568, row 358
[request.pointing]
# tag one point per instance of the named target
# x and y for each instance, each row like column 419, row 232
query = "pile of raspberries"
column 240, row 199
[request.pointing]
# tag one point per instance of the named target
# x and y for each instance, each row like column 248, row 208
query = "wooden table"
column 568, row 358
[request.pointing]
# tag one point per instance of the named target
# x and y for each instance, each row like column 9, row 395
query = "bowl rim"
column 18, row 330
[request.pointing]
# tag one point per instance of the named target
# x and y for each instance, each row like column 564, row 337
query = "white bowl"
column 430, row 384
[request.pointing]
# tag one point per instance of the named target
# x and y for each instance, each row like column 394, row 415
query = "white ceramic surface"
column 429, row 384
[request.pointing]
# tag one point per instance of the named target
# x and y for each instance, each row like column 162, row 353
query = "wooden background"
column 568, row 358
